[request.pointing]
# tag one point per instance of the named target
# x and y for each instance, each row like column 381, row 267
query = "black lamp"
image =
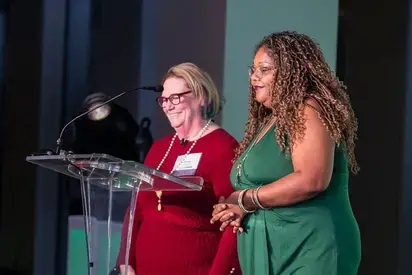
column 92, row 101
column 110, row 129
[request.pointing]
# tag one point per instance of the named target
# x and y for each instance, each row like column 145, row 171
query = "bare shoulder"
column 311, row 106
column 313, row 116
column 313, row 155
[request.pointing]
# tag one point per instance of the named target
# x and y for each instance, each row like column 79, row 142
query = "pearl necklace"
column 199, row 135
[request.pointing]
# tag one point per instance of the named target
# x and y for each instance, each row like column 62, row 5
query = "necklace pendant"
column 159, row 201
column 238, row 174
column 200, row 134
column 239, row 170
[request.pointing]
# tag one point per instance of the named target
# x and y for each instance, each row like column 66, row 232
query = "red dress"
column 180, row 239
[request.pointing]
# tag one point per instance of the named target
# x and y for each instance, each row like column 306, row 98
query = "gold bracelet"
column 240, row 202
column 256, row 199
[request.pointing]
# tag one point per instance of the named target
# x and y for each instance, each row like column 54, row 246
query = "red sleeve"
column 136, row 225
column 137, row 221
column 221, row 171
column 226, row 258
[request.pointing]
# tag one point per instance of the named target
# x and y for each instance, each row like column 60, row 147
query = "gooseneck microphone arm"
column 158, row 89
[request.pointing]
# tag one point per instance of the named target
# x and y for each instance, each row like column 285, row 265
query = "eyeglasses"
column 260, row 71
column 173, row 98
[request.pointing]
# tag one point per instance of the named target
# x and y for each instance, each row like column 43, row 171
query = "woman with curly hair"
column 291, row 170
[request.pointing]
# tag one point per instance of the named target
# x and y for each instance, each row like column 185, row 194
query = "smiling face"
column 186, row 107
column 262, row 76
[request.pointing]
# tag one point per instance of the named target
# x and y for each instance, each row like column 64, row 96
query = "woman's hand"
column 228, row 213
column 130, row 270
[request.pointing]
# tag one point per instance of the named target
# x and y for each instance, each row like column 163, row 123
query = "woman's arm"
column 226, row 259
column 121, row 258
column 138, row 218
column 312, row 159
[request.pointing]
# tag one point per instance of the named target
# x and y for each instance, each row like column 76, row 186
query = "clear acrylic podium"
column 110, row 185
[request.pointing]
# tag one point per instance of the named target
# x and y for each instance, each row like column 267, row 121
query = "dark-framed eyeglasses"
column 173, row 98
column 260, row 71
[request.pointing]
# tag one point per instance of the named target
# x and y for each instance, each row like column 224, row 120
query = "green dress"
column 315, row 237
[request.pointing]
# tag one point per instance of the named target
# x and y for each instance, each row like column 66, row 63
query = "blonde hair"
column 201, row 84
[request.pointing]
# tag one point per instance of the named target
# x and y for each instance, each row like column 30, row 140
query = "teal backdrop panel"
column 77, row 252
column 246, row 24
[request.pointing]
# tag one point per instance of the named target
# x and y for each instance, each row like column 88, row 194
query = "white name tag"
column 187, row 165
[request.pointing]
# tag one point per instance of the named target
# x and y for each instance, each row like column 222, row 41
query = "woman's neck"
column 189, row 131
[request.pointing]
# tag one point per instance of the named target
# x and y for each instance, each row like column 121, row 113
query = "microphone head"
column 183, row 142
column 158, row 88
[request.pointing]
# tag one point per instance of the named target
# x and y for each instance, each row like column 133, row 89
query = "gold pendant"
column 159, row 201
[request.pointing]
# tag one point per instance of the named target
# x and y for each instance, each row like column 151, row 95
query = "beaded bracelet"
column 240, row 202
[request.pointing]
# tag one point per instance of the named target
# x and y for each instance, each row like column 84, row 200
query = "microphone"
column 157, row 89
column 183, row 142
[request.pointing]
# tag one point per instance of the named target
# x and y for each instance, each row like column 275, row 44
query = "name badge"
column 186, row 165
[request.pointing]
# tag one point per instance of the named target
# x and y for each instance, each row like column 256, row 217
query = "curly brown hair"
column 301, row 73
